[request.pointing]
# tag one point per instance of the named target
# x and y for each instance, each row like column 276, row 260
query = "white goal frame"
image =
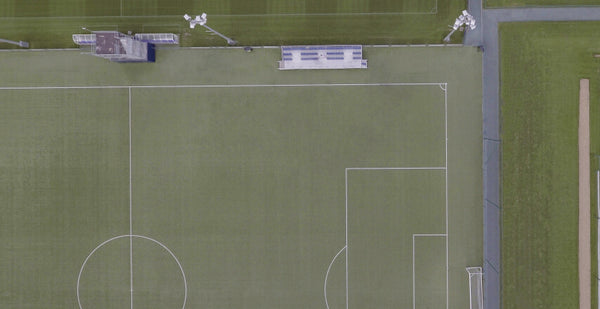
column 475, row 287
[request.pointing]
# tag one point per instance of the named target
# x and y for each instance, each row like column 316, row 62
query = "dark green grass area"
column 59, row 8
column 536, row 3
column 259, row 7
column 246, row 185
column 249, row 22
column 74, row 8
column 541, row 67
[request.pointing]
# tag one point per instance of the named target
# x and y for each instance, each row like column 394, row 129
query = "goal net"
column 475, row 287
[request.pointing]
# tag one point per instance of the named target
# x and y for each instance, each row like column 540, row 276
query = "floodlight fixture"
column 465, row 19
column 201, row 20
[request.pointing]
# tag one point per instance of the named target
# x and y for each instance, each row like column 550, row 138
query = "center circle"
column 110, row 273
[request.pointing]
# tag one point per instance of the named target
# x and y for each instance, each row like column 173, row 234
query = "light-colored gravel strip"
column 584, row 196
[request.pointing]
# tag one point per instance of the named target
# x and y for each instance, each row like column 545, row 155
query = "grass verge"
column 541, row 64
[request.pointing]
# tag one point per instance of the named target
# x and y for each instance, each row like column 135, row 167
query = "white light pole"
column 20, row 43
column 201, row 20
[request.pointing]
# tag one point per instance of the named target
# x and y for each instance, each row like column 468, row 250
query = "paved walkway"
column 486, row 35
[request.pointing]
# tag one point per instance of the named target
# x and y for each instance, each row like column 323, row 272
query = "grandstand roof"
column 322, row 57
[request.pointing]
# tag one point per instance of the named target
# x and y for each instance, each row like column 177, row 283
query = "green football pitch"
column 250, row 22
column 212, row 180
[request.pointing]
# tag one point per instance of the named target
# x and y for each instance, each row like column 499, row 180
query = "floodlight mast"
column 20, row 43
column 201, row 20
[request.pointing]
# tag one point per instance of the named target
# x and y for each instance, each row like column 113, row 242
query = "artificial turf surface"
column 245, row 184
column 256, row 22
column 541, row 64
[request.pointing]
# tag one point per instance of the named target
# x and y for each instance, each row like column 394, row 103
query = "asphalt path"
column 486, row 36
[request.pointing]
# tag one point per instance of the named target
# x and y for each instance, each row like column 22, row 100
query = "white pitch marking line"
column 413, row 261
column 130, row 210
column 446, row 129
column 185, row 288
column 217, row 86
column 287, row 85
column 396, row 168
column 429, row 235
column 444, row 87
column 327, row 14
column 327, row 275
column 346, row 184
column 30, row 50
column 598, row 231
